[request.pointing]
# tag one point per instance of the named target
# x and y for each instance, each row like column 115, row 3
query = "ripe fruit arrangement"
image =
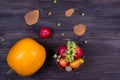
column 69, row 56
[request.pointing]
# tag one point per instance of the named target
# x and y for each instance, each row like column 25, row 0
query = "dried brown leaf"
column 80, row 29
column 69, row 12
column 32, row 17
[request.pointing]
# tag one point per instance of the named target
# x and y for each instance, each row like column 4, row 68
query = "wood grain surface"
column 102, row 52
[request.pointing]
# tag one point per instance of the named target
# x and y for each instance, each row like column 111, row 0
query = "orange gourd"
column 26, row 57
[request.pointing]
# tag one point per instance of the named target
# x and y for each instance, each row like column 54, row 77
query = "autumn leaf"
column 80, row 29
column 32, row 17
column 69, row 12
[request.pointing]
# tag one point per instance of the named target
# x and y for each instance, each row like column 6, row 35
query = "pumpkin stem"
column 9, row 71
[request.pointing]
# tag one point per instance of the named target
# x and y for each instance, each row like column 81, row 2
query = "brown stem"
column 10, row 71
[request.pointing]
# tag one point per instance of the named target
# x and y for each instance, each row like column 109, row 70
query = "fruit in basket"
column 68, row 68
column 63, row 62
column 76, row 63
column 69, row 56
column 70, row 53
column 62, row 50
column 79, row 52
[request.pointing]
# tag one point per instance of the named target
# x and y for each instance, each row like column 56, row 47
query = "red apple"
column 79, row 52
column 45, row 32
column 62, row 50
column 63, row 63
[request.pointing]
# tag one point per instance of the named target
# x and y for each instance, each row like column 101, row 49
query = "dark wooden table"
column 102, row 52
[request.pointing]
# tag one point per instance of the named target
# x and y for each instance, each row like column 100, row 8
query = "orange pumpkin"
column 26, row 57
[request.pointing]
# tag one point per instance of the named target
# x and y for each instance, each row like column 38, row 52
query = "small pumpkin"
column 26, row 57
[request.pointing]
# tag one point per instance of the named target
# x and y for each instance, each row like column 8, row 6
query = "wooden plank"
column 102, row 53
